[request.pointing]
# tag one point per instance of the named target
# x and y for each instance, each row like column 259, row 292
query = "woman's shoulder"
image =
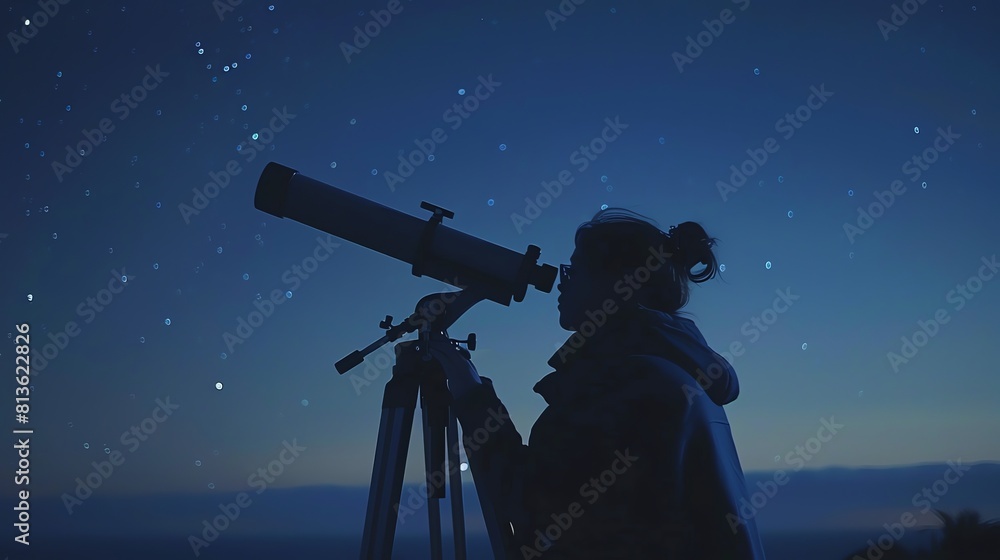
column 656, row 378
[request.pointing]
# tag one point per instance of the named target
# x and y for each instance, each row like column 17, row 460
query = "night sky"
column 867, row 222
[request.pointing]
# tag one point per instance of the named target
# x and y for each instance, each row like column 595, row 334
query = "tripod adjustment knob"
column 387, row 324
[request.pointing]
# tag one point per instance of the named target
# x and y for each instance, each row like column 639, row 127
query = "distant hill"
column 833, row 499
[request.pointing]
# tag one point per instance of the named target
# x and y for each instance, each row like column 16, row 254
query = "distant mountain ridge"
column 809, row 500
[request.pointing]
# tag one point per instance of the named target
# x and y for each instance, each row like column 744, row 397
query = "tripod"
column 416, row 372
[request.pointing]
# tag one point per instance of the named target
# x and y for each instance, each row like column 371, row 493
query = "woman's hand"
column 457, row 366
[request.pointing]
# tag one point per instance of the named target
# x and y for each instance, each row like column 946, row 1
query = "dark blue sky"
column 71, row 232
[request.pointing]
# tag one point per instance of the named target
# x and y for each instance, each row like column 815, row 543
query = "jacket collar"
column 587, row 365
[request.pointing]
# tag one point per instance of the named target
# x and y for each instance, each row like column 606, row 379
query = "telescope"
column 481, row 270
column 434, row 250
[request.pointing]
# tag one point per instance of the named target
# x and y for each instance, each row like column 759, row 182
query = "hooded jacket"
column 632, row 459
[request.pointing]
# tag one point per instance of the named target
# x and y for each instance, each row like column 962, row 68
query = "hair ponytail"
column 694, row 247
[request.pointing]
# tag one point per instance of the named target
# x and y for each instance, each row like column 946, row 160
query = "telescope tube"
column 450, row 256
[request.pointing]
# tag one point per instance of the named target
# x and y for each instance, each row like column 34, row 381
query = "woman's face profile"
column 581, row 289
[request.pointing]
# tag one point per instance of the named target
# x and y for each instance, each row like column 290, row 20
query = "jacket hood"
column 641, row 331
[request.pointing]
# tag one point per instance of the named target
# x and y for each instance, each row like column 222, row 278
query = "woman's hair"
column 618, row 241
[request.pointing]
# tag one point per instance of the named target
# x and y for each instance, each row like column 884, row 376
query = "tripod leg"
column 457, row 508
column 434, row 399
column 434, row 471
column 398, row 404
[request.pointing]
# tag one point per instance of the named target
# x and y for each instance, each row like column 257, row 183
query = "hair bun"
column 685, row 252
column 694, row 246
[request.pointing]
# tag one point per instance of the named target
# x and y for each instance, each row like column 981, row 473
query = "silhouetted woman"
column 633, row 458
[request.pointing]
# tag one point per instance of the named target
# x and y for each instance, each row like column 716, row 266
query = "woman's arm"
column 501, row 464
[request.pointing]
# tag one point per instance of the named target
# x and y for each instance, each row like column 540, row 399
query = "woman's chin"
column 566, row 321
